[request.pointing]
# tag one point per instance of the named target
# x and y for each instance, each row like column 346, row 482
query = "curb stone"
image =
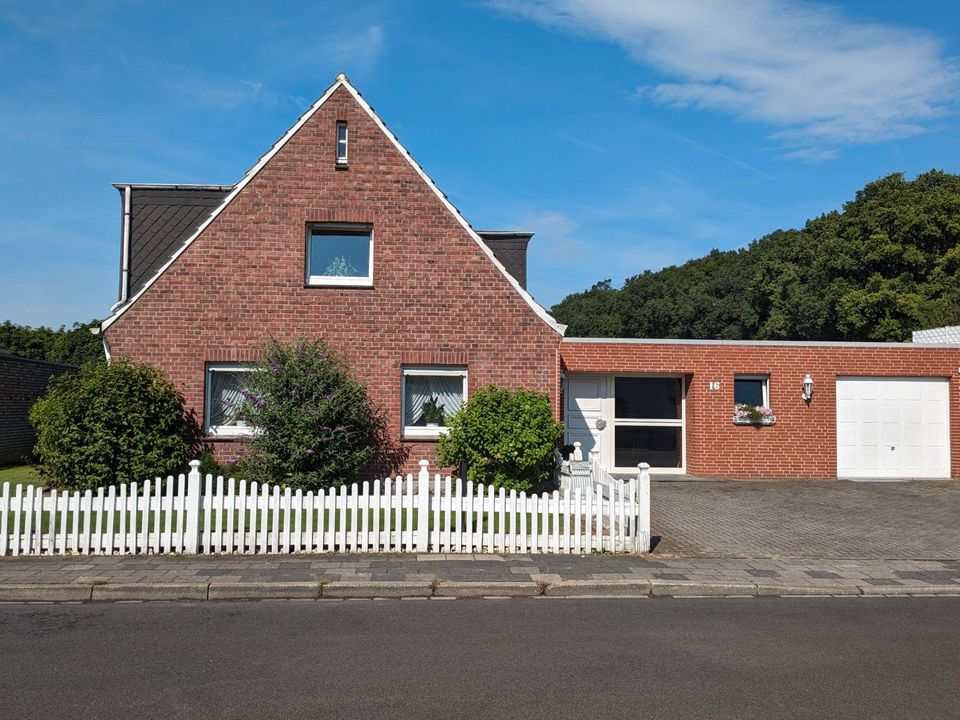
column 910, row 589
column 45, row 592
column 674, row 588
column 149, row 591
column 573, row 588
column 264, row 591
column 83, row 592
column 482, row 589
column 373, row 588
column 771, row 590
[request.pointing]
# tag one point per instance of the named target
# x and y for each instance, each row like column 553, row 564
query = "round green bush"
column 111, row 424
column 316, row 427
column 506, row 437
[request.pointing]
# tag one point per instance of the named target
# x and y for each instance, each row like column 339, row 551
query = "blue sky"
column 627, row 135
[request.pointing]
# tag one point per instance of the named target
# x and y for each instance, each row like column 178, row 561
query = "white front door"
column 585, row 399
column 893, row 427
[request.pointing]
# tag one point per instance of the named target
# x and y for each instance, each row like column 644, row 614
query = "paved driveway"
column 815, row 519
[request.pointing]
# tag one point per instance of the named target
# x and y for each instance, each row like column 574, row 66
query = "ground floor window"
column 223, row 401
column 751, row 390
column 431, row 394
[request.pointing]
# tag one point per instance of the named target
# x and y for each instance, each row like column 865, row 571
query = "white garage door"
column 893, row 428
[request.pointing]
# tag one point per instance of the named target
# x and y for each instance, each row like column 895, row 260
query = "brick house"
column 337, row 233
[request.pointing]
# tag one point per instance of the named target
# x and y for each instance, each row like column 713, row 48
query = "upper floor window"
column 340, row 255
column 341, row 143
column 223, row 409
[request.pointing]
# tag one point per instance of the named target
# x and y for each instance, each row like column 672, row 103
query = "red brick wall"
column 436, row 295
column 803, row 442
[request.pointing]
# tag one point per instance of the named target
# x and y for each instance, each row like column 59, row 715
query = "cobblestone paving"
column 807, row 519
column 818, row 573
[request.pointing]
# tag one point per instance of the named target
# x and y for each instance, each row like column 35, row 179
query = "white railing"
column 192, row 514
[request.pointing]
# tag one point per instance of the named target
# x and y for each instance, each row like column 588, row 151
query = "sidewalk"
column 231, row 577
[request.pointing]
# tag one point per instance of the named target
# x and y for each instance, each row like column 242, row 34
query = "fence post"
column 191, row 543
column 643, row 509
column 595, row 464
column 423, row 507
column 577, row 452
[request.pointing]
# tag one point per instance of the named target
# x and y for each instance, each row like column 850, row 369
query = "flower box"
column 744, row 414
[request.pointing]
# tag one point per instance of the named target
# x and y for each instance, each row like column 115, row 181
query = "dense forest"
column 885, row 265
column 73, row 346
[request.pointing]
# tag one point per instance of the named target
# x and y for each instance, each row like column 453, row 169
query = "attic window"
column 339, row 255
column 341, row 143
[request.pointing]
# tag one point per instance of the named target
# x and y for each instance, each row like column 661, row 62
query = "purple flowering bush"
column 316, row 427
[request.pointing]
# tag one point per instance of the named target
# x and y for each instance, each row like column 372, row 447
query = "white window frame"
column 340, row 280
column 610, row 413
column 225, row 431
column 418, row 431
column 766, row 386
column 342, row 157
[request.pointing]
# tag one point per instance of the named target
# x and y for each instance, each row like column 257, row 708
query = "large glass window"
column 430, row 396
column 224, row 400
column 339, row 255
column 661, row 447
column 649, row 398
column 648, row 422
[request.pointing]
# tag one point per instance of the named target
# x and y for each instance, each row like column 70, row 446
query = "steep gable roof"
column 342, row 81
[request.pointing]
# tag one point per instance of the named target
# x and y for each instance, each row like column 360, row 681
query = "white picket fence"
column 192, row 514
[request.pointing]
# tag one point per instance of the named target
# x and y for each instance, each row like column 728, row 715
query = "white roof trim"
column 762, row 343
column 252, row 172
column 528, row 298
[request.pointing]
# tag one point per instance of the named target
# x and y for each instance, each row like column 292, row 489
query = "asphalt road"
column 852, row 657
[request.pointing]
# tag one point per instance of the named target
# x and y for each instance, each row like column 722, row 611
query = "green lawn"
column 19, row 474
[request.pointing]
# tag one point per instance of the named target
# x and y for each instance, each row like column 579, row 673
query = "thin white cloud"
column 821, row 79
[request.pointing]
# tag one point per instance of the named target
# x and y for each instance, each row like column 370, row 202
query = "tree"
column 316, row 425
column 70, row 347
column 112, row 424
column 885, row 265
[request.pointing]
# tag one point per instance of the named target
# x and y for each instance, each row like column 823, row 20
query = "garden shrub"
column 238, row 469
column 316, row 427
column 506, row 437
column 111, row 424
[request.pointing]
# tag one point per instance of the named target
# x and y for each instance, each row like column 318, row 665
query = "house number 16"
column 714, row 384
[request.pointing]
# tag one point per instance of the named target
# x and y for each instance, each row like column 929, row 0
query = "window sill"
column 342, row 283
column 232, row 437
column 425, row 434
column 341, row 166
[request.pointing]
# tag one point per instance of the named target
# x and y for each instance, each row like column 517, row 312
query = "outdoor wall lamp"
column 807, row 387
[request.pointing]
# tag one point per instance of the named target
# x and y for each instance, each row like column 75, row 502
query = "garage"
column 893, row 427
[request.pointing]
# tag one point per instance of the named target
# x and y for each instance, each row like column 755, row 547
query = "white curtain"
column 446, row 390
column 225, row 397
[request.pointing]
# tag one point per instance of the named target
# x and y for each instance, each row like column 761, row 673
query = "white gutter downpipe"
column 124, row 250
